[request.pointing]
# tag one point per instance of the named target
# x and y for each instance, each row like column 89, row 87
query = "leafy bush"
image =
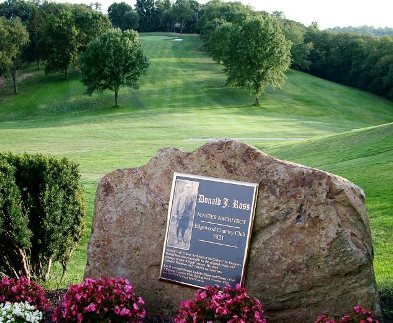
column 101, row 300
column 217, row 305
column 361, row 316
column 41, row 213
column 19, row 313
column 15, row 233
column 23, row 290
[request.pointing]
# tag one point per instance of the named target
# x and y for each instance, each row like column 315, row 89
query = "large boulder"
column 310, row 252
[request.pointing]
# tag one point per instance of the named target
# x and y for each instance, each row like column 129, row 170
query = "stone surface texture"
column 310, row 251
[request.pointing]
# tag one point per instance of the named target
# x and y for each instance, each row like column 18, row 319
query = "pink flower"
column 203, row 295
column 20, row 290
column 221, row 310
column 111, row 299
column 231, row 305
column 125, row 312
column 91, row 307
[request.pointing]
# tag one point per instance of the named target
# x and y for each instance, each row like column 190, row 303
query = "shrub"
column 217, row 305
column 15, row 233
column 41, row 213
column 361, row 316
column 23, row 290
column 19, row 313
column 101, row 300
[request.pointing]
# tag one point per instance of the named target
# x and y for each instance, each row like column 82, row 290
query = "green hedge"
column 41, row 213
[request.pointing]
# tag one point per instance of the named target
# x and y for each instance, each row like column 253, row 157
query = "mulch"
column 56, row 296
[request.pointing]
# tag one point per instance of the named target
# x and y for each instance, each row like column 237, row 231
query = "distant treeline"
column 364, row 30
column 365, row 62
column 58, row 33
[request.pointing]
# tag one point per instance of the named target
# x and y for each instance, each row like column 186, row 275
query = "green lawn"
column 182, row 102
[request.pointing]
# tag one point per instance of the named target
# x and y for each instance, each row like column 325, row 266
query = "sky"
column 327, row 13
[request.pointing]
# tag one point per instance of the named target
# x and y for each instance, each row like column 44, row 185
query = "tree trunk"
column 14, row 77
column 257, row 101
column 47, row 273
column 14, row 260
column 66, row 73
column 116, row 95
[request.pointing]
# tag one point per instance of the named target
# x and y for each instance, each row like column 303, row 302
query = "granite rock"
column 310, row 252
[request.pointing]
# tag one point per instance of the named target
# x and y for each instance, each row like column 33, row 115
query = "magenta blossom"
column 213, row 304
column 23, row 290
column 361, row 316
column 102, row 300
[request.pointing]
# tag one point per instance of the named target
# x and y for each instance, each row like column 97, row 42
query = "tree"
column 147, row 12
column 295, row 32
column 35, row 26
column 216, row 41
column 258, row 55
column 13, row 36
column 11, row 9
column 164, row 14
column 123, row 16
column 89, row 23
column 186, row 13
column 61, row 42
column 234, row 12
column 112, row 60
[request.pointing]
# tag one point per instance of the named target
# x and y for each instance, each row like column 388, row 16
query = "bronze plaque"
column 208, row 230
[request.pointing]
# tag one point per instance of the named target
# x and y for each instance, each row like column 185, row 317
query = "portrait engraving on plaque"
column 182, row 214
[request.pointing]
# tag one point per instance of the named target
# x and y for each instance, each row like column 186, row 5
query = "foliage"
column 19, row 313
column 232, row 12
column 364, row 30
column 13, row 36
column 123, row 16
column 257, row 55
column 147, row 13
column 14, row 225
column 102, row 300
column 361, row 316
column 11, row 9
column 23, row 290
column 89, row 23
column 365, row 62
column 295, row 32
column 164, row 13
column 35, row 27
column 214, row 304
column 41, row 214
column 60, row 43
column 185, row 12
column 217, row 42
column 113, row 60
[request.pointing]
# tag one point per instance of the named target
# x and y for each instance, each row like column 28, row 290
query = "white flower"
column 13, row 312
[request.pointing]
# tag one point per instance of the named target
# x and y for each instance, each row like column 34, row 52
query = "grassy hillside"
column 365, row 157
column 183, row 101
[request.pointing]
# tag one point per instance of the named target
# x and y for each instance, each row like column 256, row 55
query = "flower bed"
column 113, row 299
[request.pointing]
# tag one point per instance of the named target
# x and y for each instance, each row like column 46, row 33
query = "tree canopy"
column 123, row 16
column 13, row 36
column 257, row 55
column 61, row 42
column 112, row 60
